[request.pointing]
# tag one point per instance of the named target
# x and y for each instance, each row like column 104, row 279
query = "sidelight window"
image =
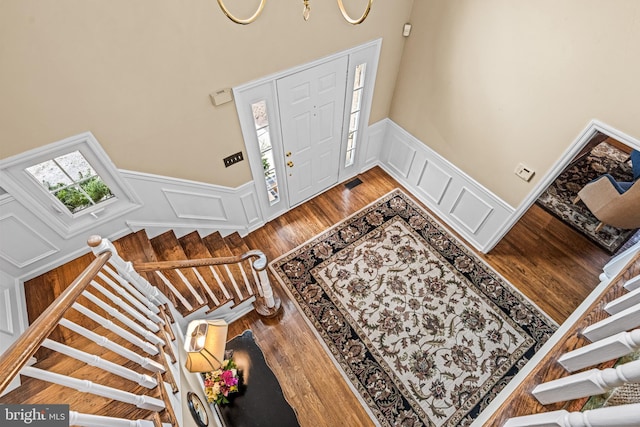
column 261, row 121
column 354, row 117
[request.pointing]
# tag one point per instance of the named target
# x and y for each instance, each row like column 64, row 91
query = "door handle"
column 290, row 163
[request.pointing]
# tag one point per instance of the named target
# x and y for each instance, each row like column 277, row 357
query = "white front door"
column 311, row 104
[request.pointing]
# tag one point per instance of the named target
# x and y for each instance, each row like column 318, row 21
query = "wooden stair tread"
column 167, row 248
column 195, row 248
column 135, row 247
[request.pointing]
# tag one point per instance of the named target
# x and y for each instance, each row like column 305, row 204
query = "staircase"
column 114, row 355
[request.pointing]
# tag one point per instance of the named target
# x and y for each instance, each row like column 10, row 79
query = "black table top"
column 259, row 401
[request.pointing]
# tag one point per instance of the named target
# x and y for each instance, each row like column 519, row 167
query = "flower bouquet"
column 219, row 383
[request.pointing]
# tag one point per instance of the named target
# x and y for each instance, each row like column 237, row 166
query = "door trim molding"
column 265, row 89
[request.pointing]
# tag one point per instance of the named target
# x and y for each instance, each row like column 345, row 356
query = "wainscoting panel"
column 459, row 201
column 250, row 208
column 191, row 205
column 434, row 181
column 372, row 145
column 400, row 157
column 28, row 247
column 470, row 210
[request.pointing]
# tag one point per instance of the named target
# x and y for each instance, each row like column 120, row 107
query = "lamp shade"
column 204, row 343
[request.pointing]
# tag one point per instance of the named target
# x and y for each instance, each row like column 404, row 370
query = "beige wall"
column 138, row 73
column 491, row 83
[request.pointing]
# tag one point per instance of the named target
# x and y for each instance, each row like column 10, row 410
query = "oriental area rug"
column 424, row 331
column 558, row 198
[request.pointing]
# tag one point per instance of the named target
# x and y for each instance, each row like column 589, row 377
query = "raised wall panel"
column 250, row 208
column 470, row 210
column 434, row 181
column 188, row 205
column 28, row 246
column 401, row 156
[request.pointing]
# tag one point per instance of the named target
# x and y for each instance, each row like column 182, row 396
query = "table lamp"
column 204, row 343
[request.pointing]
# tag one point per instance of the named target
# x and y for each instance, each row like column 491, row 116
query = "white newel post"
column 268, row 305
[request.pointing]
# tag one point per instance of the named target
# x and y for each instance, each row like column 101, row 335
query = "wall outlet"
column 233, row 159
column 524, row 172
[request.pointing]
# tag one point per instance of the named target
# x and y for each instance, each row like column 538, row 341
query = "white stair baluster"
column 206, row 287
column 90, row 420
column 633, row 283
column 622, row 303
column 623, row 321
column 219, row 281
column 588, row 383
column 103, row 341
column 189, row 286
column 601, row 351
column 97, row 361
column 247, row 285
column 132, row 311
column 103, row 321
column 118, row 330
column 233, row 282
column 256, row 280
column 173, row 289
column 613, row 416
column 140, row 400
column 131, row 294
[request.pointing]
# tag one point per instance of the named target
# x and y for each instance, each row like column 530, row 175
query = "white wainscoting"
column 185, row 206
column 30, row 246
column 459, row 201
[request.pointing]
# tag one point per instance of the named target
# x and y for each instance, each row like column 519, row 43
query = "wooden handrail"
column 259, row 264
column 17, row 355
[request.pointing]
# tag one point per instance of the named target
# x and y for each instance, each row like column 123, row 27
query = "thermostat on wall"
column 221, row 96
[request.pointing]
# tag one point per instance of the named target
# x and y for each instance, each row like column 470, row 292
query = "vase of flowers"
column 221, row 382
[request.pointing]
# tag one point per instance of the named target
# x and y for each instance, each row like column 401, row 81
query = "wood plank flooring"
column 547, row 261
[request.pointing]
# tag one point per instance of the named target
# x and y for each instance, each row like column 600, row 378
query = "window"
column 72, row 184
column 354, row 117
column 72, row 181
column 261, row 122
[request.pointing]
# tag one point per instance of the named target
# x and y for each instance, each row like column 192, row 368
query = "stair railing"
column 122, row 295
column 606, row 332
column 267, row 303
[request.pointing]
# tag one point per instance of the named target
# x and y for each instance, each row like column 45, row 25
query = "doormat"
column 558, row 198
column 424, row 331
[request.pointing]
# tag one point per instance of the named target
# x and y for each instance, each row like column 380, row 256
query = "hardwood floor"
column 547, row 261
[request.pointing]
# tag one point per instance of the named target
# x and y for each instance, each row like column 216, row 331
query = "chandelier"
column 306, row 11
